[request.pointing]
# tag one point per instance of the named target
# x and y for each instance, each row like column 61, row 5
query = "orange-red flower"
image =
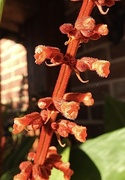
column 47, row 52
column 65, row 127
column 85, row 25
column 33, row 120
column 85, row 98
column 30, row 171
column 93, row 64
column 85, row 29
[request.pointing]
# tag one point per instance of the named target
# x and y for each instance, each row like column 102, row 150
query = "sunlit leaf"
column 108, row 153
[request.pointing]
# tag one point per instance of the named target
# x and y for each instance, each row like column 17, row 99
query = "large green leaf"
column 83, row 167
column 108, row 153
column 114, row 114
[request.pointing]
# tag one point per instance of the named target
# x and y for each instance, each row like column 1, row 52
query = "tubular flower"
column 34, row 120
column 64, row 128
column 31, row 171
column 68, row 106
column 85, row 25
column 85, row 29
column 93, row 64
column 89, row 30
column 46, row 52
column 85, row 98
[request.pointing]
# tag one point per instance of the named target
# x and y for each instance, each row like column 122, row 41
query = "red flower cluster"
column 85, row 29
column 80, row 65
column 68, row 105
column 41, row 163
column 30, row 171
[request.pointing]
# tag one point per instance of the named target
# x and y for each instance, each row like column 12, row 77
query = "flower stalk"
column 61, row 85
column 68, row 104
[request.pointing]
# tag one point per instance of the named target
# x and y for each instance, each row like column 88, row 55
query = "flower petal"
column 101, row 67
column 70, row 109
column 45, row 52
column 85, row 98
column 79, row 133
column 21, row 123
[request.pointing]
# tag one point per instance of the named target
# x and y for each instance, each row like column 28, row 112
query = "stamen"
column 100, row 9
column 79, row 77
column 59, row 140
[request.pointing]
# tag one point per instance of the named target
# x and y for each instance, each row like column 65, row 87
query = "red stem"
column 60, row 87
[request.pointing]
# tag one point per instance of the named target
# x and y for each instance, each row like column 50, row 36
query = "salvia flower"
column 85, row 25
column 64, row 128
column 68, row 106
column 47, row 52
column 31, row 171
column 93, row 64
column 33, row 120
column 85, row 98
column 85, row 29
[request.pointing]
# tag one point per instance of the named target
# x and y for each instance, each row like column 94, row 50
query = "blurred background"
column 28, row 23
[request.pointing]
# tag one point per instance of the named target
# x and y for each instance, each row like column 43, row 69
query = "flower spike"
column 45, row 157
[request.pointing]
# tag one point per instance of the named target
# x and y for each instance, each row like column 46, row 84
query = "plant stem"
column 60, row 87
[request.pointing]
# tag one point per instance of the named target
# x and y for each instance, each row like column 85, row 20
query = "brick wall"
column 114, row 85
column 13, row 67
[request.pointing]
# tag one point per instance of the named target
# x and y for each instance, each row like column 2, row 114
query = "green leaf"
column 108, row 153
column 83, row 167
column 114, row 114
column 9, row 174
column 1, row 8
column 57, row 174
